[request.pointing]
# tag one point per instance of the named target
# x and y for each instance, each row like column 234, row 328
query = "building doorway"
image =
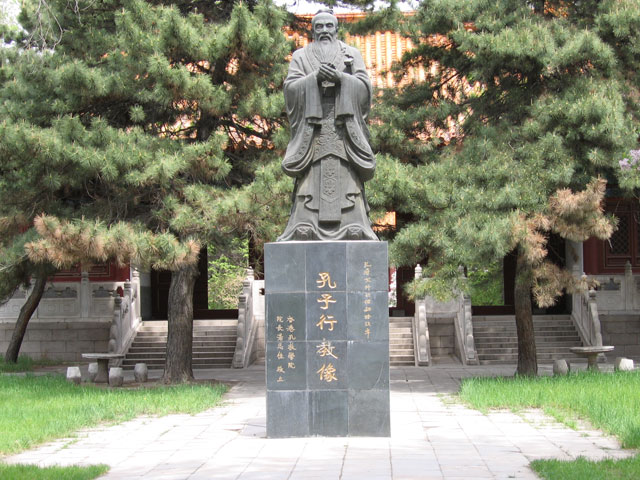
column 161, row 280
column 399, row 304
column 492, row 285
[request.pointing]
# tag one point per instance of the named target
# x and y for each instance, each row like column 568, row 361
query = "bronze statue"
column 328, row 97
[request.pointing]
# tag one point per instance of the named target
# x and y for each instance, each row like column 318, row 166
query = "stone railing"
column 465, row 342
column 458, row 311
column 126, row 315
column 421, row 346
column 618, row 293
column 77, row 301
column 77, row 317
column 250, row 318
column 584, row 313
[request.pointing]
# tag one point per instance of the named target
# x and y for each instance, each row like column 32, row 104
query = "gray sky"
column 302, row 7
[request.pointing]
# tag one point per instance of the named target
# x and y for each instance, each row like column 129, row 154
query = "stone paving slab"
column 430, row 439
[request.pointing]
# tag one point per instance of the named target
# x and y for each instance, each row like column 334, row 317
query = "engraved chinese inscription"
column 367, row 299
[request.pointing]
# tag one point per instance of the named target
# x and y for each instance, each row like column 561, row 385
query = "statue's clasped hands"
column 328, row 73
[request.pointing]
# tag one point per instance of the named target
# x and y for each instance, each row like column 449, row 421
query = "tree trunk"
column 25, row 315
column 527, row 356
column 177, row 368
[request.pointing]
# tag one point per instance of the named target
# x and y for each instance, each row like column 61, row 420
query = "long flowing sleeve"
column 352, row 107
column 302, row 101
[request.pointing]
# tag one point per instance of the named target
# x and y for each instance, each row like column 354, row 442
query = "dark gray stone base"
column 327, row 339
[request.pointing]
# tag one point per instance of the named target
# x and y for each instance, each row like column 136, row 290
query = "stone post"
column 116, row 377
column 141, row 372
column 85, row 294
column 93, row 371
column 135, row 280
column 629, row 286
column 74, row 375
column 145, row 295
column 114, row 331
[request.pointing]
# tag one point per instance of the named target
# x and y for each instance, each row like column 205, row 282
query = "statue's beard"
column 327, row 48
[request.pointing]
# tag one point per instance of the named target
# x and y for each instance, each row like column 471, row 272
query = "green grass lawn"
column 610, row 402
column 24, row 364
column 581, row 469
column 38, row 409
column 31, row 472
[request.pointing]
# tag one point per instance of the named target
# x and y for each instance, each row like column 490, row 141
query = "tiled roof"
column 379, row 51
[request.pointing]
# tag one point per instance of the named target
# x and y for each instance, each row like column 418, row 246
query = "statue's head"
column 324, row 26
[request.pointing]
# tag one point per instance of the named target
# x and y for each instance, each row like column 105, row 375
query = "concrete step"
column 497, row 342
column 222, row 322
column 400, row 319
column 403, row 345
column 160, row 358
column 500, row 343
column 158, row 363
column 401, row 342
column 485, row 331
column 400, row 330
column 514, row 350
column 512, row 327
column 213, row 344
column 508, row 342
column 501, row 318
column 402, row 358
column 562, row 337
column 400, row 351
column 399, row 336
column 196, row 333
column 161, row 350
column 507, row 319
column 196, row 342
column 514, row 361
column 195, row 337
column 486, row 360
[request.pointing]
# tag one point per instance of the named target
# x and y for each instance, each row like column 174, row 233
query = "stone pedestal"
column 116, row 377
column 74, row 375
column 141, row 372
column 327, row 355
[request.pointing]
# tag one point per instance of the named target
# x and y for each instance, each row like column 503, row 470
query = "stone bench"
column 591, row 354
column 103, row 364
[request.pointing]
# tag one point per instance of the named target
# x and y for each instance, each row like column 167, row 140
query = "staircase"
column 401, row 342
column 214, row 342
column 497, row 343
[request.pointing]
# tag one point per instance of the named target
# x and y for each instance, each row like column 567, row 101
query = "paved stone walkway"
column 431, row 439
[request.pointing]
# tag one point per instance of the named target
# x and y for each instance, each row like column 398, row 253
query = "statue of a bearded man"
column 328, row 97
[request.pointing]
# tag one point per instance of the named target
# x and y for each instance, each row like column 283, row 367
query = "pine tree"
column 127, row 128
column 525, row 109
column 16, row 269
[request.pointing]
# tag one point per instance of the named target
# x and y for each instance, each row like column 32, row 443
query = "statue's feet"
column 303, row 233
column 354, row 233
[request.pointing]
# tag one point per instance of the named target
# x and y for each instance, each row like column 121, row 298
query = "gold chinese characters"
column 367, row 299
column 290, row 332
column 327, row 302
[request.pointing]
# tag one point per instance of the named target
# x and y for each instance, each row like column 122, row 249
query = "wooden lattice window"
column 624, row 244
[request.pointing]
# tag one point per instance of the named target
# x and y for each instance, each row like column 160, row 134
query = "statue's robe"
column 329, row 153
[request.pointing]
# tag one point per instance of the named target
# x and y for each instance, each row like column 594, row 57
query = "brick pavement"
column 430, row 439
